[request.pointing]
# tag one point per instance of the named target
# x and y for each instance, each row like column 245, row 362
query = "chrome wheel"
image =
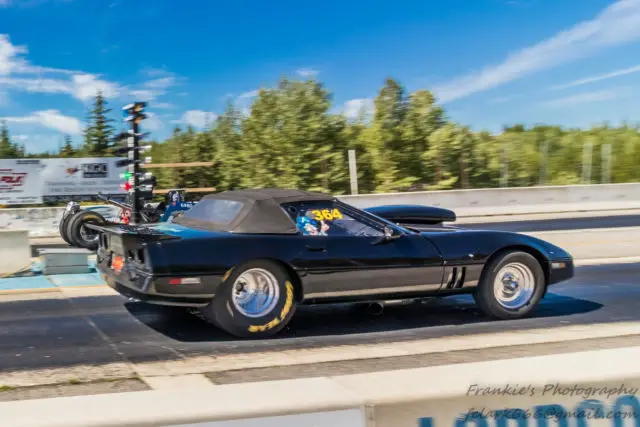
column 514, row 286
column 255, row 292
column 88, row 235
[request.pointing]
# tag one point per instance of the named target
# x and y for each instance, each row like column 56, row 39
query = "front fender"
column 472, row 247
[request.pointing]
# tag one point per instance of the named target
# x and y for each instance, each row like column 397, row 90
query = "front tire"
column 257, row 300
column 80, row 236
column 511, row 286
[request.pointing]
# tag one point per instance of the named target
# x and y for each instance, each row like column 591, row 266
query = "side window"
column 326, row 219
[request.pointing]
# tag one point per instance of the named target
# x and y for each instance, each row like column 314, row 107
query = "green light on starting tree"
column 125, row 175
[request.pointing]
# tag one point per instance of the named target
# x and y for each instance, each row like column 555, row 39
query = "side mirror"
column 389, row 235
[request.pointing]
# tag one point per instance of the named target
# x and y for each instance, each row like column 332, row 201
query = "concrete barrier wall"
column 540, row 391
column 467, row 203
column 506, row 201
column 15, row 252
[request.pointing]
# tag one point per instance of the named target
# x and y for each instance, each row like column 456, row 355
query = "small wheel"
column 62, row 227
column 257, row 300
column 81, row 236
column 511, row 286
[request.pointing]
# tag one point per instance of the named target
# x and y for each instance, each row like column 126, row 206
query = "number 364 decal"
column 326, row 214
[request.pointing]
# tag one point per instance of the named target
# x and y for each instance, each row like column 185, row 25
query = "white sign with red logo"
column 20, row 181
column 80, row 178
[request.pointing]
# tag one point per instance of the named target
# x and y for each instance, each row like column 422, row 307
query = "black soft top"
column 260, row 211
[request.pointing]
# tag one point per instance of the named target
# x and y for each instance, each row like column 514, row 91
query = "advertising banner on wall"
column 20, row 181
column 80, row 179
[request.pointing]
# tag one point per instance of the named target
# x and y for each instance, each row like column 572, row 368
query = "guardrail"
column 466, row 203
column 576, row 389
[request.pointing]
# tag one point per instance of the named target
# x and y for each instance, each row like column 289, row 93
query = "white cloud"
column 81, row 86
column 616, row 25
column 40, row 85
column 52, row 119
column 161, row 83
column 12, row 60
column 86, row 86
column 354, row 107
column 502, row 99
column 17, row 73
column 197, row 118
column 250, row 94
column 153, row 122
column 307, row 72
column 10, row 55
column 163, row 105
column 155, row 72
column 143, row 95
column 600, row 77
column 156, row 87
column 579, row 99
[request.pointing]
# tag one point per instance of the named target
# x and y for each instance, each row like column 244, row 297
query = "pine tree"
column 67, row 149
column 99, row 133
column 7, row 149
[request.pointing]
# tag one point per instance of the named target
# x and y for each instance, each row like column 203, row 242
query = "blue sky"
column 489, row 62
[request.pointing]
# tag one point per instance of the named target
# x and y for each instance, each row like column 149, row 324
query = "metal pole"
column 586, row 162
column 543, row 162
column 606, row 163
column 136, row 205
column 353, row 172
column 505, row 166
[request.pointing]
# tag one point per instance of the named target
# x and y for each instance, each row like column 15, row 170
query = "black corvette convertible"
column 245, row 259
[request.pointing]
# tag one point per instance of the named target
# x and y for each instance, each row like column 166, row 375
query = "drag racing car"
column 245, row 259
column 72, row 223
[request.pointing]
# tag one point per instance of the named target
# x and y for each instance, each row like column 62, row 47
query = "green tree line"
column 292, row 137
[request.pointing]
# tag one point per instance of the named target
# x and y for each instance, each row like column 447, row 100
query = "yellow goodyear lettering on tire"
column 226, row 275
column 277, row 320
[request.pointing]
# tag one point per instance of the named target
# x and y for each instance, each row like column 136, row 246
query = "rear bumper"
column 145, row 287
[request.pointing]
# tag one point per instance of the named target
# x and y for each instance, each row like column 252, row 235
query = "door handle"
column 313, row 248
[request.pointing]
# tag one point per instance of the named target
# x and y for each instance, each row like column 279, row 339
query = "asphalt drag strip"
column 59, row 331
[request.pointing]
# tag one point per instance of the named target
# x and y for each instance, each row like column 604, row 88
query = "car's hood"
column 487, row 241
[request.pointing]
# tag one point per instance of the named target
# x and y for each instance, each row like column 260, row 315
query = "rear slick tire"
column 81, row 237
column 62, row 227
column 257, row 300
column 511, row 286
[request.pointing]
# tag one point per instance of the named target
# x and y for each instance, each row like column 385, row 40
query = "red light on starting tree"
column 126, row 186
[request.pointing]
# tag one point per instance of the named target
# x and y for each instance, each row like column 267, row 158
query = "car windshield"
column 214, row 210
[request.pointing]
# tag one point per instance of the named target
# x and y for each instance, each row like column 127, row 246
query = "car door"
column 354, row 261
